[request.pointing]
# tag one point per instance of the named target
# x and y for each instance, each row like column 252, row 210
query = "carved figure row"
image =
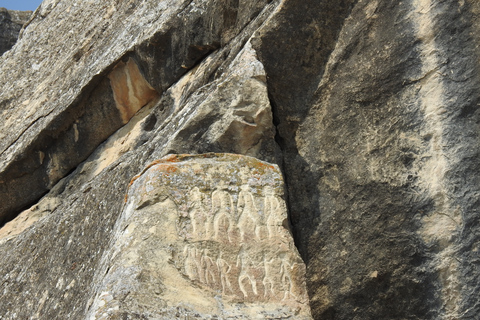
column 245, row 277
column 224, row 219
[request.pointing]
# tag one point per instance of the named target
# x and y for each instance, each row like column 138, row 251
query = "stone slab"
column 204, row 236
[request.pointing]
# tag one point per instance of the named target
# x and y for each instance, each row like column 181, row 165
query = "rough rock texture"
column 11, row 22
column 391, row 146
column 369, row 107
column 203, row 236
column 195, row 114
column 58, row 128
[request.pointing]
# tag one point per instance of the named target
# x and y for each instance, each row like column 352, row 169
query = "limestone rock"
column 381, row 149
column 11, row 22
column 78, row 214
column 369, row 107
column 203, row 236
column 55, row 75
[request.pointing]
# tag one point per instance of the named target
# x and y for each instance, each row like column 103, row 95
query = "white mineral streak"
column 440, row 227
column 206, row 234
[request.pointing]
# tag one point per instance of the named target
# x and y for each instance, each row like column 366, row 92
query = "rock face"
column 61, row 128
column 203, row 236
column 369, row 109
column 11, row 22
column 391, row 153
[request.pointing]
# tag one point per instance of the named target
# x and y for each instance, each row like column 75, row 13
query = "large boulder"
column 203, row 236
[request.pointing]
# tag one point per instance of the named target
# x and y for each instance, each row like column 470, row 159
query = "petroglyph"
column 286, row 276
column 229, row 228
column 269, row 276
column 249, row 221
column 246, row 278
column 198, row 214
column 193, row 266
column 224, row 267
column 219, row 223
column 210, row 268
column 222, row 206
column 271, row 209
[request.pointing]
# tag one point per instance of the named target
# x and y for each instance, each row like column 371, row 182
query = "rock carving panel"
column 231, row 243
column 230, row 226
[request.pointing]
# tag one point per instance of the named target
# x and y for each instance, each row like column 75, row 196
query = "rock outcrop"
column 203, row 236
column 367, row 108
column 11, row 22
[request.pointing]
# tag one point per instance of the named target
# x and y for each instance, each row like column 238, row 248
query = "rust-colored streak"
column 167, row 168
column 144, row 170
column 130, row 89
column 168, row 165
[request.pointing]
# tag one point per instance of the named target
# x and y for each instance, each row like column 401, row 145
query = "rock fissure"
column 32, row 124
column 127, row 105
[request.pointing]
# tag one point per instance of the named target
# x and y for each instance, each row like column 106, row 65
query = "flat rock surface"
column 204, row 236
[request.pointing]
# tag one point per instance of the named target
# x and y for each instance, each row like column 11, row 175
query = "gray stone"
column 11, row 22
column 79, row 213
column 203, row 236
column 58, row 74
column 381, row 159
column 369, row 107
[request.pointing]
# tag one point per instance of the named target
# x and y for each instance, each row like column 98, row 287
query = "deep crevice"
column 291, row 87
column 30, row 204
column 43, row 140
column 59, row 137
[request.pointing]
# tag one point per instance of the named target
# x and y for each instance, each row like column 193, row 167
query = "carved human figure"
column 286, row 268
column 189, row 264
column 249, row 222
column 193, row 266
column 210, row 268
column 269, row 276
column 247, row 267
column 222, row 208
column 272, row 209
column 198, row 214
column 224, row 268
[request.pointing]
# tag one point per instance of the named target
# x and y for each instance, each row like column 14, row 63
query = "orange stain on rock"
column 130, row 89
column 165, row 167
column 170, row 169
column 165, row 164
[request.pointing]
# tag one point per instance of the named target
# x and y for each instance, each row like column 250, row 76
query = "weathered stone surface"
column 381, row 162
column 77, row 216
column 50, row 125
column 202, row 237
column 369, row 107
column 11, row 22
